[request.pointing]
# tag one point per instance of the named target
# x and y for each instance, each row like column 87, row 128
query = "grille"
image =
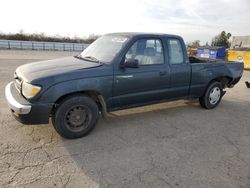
column 18, row 82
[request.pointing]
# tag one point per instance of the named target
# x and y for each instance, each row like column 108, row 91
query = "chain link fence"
column 34, row 45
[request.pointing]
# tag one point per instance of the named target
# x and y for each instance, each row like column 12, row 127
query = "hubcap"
column 78, row 118
column 214, row 95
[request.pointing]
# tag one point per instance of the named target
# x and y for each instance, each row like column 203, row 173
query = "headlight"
column 29, row 90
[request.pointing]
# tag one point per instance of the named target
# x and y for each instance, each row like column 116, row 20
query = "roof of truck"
column 133, row 34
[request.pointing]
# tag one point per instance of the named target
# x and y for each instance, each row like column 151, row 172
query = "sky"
column 192, row 19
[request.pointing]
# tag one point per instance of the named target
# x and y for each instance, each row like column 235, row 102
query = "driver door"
column 147, row 83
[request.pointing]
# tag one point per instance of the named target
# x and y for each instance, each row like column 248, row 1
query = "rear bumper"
column 23, row 111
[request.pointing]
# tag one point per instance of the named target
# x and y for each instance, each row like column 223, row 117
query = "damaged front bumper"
column 24, row 111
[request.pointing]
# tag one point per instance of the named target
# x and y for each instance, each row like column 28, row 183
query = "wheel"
column 75, row 116
column 212, row 96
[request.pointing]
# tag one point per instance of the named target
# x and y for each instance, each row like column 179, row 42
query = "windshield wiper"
column 92, row 58
column 89, row 58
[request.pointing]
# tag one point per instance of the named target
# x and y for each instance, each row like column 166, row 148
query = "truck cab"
column 161, row 61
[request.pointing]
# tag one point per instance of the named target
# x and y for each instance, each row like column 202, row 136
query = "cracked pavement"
column 176, row 144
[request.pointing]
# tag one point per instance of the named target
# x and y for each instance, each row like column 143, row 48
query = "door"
column 147, row 83
column 180, row 69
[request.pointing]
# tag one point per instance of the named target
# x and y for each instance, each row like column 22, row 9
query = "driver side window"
column 146, row 51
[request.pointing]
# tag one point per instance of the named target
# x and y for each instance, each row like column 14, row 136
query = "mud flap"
column 223, row 93
column 104, row 112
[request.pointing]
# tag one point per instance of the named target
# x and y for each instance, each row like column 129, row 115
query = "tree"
column 91, row 38
column 222, row 39
column 194, row 44
column 45, row 38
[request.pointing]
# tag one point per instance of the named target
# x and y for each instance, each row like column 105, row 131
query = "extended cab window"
column 175, row 52
column 146, row 51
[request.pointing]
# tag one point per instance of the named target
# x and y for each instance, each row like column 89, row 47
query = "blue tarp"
column 212, row 53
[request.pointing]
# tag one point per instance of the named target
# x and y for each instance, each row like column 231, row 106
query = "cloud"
column 199, row 19
column 193, row 19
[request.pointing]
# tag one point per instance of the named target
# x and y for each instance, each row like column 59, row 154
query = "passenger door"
column 180, row 68
column 147, row 83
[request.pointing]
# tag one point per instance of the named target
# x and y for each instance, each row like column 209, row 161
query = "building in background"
column 240, row 42
column 240, row 50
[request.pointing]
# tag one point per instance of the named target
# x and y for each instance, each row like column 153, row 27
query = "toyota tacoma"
column 117, row 71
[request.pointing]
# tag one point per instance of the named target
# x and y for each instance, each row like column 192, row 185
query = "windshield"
column 105, row 48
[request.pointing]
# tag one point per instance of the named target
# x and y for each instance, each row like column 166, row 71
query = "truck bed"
column 194, row 59
column 205, row 70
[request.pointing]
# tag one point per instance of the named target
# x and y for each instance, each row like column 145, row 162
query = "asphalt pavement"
column 175, row 144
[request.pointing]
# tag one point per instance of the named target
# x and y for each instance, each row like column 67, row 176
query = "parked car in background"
column 117, row 71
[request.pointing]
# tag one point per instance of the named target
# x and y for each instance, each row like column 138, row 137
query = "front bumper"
column 25, row 112
column 13, row 104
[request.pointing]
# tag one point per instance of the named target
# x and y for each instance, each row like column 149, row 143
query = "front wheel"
column 212, row 96
column 75, row 117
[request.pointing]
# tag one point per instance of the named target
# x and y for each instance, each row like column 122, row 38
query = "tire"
column 75, row 117
column 212, row 96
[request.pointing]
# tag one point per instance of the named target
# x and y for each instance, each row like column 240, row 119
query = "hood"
column 42, row 69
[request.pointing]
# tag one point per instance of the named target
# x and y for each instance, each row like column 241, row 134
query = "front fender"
column 102, row 85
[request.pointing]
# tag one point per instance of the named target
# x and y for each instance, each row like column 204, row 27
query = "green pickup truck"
column 117, row 71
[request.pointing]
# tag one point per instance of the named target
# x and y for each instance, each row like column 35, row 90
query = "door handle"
column 162, row 73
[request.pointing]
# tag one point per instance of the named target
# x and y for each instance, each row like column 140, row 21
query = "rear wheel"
column 212, row 96
column 75, row 117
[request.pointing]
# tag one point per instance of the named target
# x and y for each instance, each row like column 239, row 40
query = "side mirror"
column 130, row 63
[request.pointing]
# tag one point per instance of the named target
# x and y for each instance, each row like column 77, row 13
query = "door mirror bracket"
column 130, row 63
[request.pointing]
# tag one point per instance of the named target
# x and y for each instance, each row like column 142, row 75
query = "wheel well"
column 92, row 94
column 224, row 80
